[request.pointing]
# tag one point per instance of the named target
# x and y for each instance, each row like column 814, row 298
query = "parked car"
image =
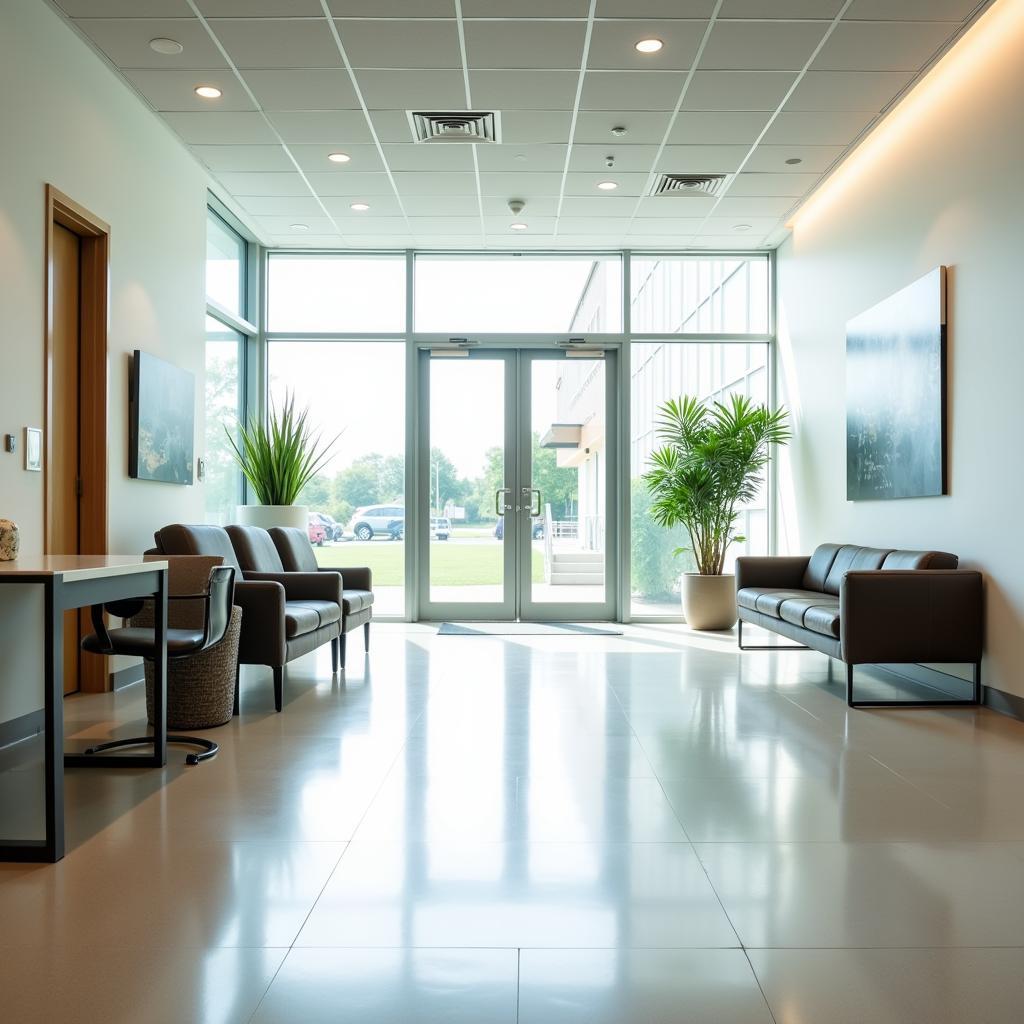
column 441, row 528
column 317, row 533
column 536, row 530
column 371, row 520
column 332, row 527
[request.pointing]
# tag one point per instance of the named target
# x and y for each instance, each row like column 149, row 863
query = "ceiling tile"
column 613, row 45
column 585, row 184
column 260, row 8
column 812, row 158
column 675, row 206
column 911, row 10
column 366, row 224
column 667, row 225
column 280, row 184
column 542, row 206
column 520, row 185
column 700, row 159
column 726, row 226
column 303, row 89
column 126, row 42
column 221, row 128
column 284, row 225
column 427, row 241
column 500, row 225
column 380, row 206
column 277, row 43
column 354, row 184
column 281, row 206
column 594, row 159
column 592, row 243
column 411, row 156
column 737, row 90
column 631, row 90
column 390, row 8
column 535, row 90
column 525, row 8
column 761, row 46
column 751, row 206
column 655, row 8
column 781, row 8
column 244, row 158
column 790, row 184
column 387, row 244
column 718, row 127
column 445, row 225
column 413, row 90
column 392, row 125
column 521, row 158
column 536, row 126
column 314, row 158
column 126, row 8
column 175, row 90
column 441, row 206
column 306, row 241
column 847, row 90
column 401, row 44
column 598, row 206
column 817, row 128
column 524, row 44
column 445, row 183
column 593, row 225
column 333, row 127
column 893, row 46
column 642, row 127
column 735, row 242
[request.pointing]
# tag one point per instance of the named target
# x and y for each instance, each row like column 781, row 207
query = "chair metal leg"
column 335, row 654
column 278, row 687
column 342, row 646
column 208, row 747
column 366, row 637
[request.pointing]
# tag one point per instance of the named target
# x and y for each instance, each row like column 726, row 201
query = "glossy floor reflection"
column 642, row 829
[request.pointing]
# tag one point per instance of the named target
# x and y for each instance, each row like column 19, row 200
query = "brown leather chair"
column 284, row 615
column 297, row 555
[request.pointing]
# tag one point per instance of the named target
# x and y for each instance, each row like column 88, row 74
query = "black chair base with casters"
column 140, row 642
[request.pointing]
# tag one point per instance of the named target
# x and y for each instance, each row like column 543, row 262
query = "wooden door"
column 66, row 262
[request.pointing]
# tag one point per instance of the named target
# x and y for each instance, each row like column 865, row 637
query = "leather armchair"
column 297, row 555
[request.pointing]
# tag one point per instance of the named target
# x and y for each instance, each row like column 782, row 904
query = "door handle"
column 500, row 508
column 535, row 512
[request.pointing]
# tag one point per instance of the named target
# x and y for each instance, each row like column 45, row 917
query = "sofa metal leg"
column 366, row 637
column 764, row 647
column 278, row 687
column 335, row 654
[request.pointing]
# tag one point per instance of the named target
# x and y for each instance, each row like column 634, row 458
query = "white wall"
column 67, row 120
column 940, row 184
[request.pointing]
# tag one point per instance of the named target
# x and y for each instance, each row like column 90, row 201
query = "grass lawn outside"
column 451, row 564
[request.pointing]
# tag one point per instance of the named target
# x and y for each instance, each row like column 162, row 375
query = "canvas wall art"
column 896, row 395
column 163, row 409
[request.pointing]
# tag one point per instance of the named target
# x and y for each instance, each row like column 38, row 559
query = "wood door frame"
column 94, row 235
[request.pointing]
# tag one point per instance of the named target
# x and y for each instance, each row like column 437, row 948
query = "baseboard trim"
column 127, row 676
column 21, row 728
column 954, row 687
column 1008, row 704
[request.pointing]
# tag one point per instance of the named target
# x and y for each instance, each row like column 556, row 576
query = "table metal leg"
column 53, row 717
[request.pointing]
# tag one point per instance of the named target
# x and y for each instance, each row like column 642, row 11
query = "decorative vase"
column 709, row 602
column 9, row 540
column 266, row 516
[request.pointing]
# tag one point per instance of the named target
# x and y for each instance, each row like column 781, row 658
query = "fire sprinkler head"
column 516, row 205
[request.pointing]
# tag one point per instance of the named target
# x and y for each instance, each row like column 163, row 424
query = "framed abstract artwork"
column 162, row 421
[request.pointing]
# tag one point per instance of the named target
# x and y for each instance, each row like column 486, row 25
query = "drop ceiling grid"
column 688, row 133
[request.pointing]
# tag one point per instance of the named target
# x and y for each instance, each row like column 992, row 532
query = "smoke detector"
column 455, row 126
column 672, row 184
column 516, row 206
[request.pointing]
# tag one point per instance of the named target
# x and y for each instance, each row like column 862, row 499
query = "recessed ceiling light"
column 649, row 45
column 168, row 47
column 338, row 158
column 741, row 227
column 208, row 92
column 299, row 227
column 607, row 186
column 359, row 207
column 794, row 160
column 518, row 226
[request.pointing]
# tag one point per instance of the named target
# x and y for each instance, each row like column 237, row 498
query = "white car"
column 441, row 528
column 377, row 520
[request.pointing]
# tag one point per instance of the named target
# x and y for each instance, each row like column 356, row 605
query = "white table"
column 79, row 581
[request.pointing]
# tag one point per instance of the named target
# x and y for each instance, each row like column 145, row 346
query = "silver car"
column 377, row 520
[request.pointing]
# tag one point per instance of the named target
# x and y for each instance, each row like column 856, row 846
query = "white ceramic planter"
column 266, row 516
column 709, row 602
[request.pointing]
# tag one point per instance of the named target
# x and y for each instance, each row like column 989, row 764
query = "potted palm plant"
column 710, row 465
column 278, row 457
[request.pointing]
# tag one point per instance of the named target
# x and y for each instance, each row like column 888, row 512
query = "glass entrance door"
column 516, row 485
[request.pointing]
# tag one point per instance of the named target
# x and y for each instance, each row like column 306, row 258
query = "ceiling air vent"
column 455, row 126
column 688, row 185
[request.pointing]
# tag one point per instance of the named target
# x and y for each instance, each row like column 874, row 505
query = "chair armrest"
column 911, row 615
column 783, row 571
column 354, row 577
column 303, row 586
column 263, row 637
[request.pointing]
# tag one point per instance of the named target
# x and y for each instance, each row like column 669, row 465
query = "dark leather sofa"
column 297, row 555
column 284, row 615
column 868, row 606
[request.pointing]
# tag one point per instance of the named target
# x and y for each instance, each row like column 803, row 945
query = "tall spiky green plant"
column 280, row 456
column 710, row 464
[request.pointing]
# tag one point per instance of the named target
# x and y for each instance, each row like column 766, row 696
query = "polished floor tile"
column 652, row 986
column 892, row 986
column 393, row 986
